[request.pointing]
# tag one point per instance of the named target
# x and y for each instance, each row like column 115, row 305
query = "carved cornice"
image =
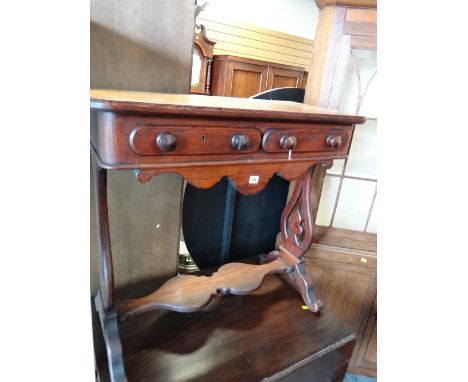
column 347, row 3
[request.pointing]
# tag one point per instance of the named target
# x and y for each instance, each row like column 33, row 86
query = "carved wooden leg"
column 110, row 331
column 106, row 270
column 297, row 224
column 105, row 297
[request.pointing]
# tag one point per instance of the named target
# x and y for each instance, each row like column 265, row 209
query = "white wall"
column 296, row 17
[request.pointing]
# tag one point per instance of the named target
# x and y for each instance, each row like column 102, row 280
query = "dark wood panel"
column 242, row 338
column 307, row 140
column 111, row 138
column 193, row 140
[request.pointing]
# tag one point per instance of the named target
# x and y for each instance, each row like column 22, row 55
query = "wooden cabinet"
column 343, row 268
column 284, row 78
column 364, row 360
column 243, row 77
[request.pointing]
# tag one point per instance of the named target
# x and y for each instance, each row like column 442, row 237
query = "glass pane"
column 196, row 68
column 362, row 161
column 354, row 204
column 327, row 200
column 360, row 74
column 372, row 225
column 337, row 168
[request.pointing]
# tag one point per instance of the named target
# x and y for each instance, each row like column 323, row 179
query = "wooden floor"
column 235, row 338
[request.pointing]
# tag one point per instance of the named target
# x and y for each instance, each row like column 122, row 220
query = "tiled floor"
column 358, row 378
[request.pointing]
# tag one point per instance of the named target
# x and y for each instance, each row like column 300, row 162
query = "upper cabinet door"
column 245, row 80
column 284, row 78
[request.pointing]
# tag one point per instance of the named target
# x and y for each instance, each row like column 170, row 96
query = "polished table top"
column 190, row 104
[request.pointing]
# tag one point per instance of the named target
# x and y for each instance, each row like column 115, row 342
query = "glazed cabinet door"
column 245, row 80
column 282, row 78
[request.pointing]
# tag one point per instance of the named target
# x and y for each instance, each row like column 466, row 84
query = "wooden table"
column 203, row 139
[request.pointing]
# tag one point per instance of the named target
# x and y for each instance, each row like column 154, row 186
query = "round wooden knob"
column 334, row 141
column 166, row 142
column 288, row 142
column 240, row 142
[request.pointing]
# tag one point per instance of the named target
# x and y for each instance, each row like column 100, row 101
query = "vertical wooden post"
column 106, row 270
column 328, row 66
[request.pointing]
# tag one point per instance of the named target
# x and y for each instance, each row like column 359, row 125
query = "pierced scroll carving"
column 296, row 233
column 297, row 220
column 296, row 227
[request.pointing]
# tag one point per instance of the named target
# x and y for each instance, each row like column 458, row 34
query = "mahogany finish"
column 194, row 140
column 265, row 335
column 205, row 139
column 188, row 293
column 305, row 140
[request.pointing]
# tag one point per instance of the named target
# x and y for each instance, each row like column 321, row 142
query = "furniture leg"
column 110, row 331
column 297, row 224
column 104, row 299
column 106, row 270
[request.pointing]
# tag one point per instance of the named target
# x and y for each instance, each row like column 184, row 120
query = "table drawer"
column 305, row 140
column 194, row 140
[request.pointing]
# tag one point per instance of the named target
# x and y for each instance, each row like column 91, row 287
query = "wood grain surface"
column 198, row 105
column 266, row 334
column 188, row 293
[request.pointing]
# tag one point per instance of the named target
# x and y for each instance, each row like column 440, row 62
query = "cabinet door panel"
column 281, row 78
column 344, row 289
column 348, row 291
column 245, row 80
column 365, row 356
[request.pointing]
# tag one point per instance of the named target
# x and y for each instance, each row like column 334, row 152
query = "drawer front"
column 194, row 140
column 305, row 140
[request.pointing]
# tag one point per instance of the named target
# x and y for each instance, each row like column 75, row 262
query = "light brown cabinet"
column 243, row 77
column 345, row 279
